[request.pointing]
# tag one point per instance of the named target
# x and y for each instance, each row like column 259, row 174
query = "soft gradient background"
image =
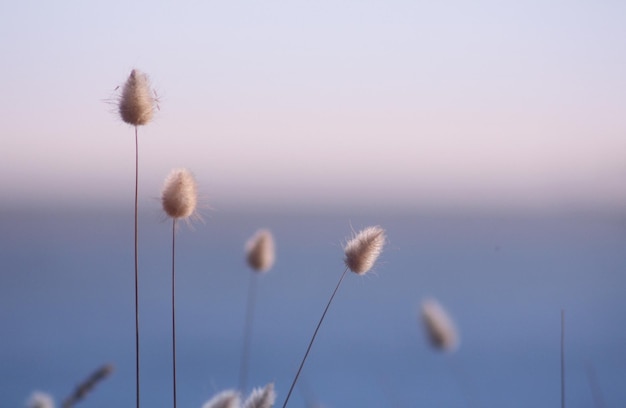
column 488, row 137
column 445, row 104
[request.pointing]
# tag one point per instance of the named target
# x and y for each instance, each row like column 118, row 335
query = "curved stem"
column 247, row 336
column 173, row 311
column 136, row 267
column 293, row 384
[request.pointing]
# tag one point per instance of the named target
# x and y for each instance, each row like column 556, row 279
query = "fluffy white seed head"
column 40, row 400
column 180, row 195
column 136, row 104
column 260, row 251
column 440, row 328
column 261, row 397
column 363, row 250
column 225, row 399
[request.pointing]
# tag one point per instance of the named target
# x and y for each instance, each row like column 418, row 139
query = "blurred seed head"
column 260, row 251
column 136, row 104
column 180, row 194
column 40, row 400
column 362, row 251
column 440, row 328
column 261, row 397
column 225, row 399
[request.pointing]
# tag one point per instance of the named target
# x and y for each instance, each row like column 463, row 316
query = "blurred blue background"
column 66, row 307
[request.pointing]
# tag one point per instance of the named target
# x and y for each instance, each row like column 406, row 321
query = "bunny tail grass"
column 86, row 386
column 225, row 399
column 363, row 250
column 260, row 252
column 179, row 199
column 440, row 328
column 295, row 380
column 180, row 194
column 261, row 397
column 40, row 399
column 260, row 256
column 136, row 105
column 361, row 253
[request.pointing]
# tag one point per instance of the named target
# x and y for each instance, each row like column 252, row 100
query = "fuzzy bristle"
column 180, row 195
column 40, row 400
column 260, row 251
column 136, row 105
column 261, row 397
column 439, row 326
column 363, row 250
column 225, row 399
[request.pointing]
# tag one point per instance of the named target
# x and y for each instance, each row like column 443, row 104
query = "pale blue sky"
column 395, row 103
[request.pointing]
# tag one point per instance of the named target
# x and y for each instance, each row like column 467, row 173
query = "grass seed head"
column 260, row 251
column 440, row 328
column 180, row 194
column 40, row 400
column 363, row 250
column 225, row 399
column 136, row 105
column 261, row 397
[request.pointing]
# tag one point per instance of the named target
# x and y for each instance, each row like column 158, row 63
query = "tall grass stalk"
column 136, row 266
column 179, row 199
column 136, row 107
column 596, row 392
column 317, row 328
column 174, row 311
column 260, row 255
column 247, row 333
column 361, row 253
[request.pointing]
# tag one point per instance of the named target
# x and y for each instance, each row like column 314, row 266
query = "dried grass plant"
column 258, row 398
column 179, row 199
column 260, row 255
column 136, row 107
column 43, row 400
column 40, row 399
column 440, row 329
column 361, row 252
column 261, row 397
column 225, row 399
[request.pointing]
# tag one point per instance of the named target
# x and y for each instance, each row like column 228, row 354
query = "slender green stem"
column 247, row 336
column 295, row 380
column 136, row 267
column 173, row 311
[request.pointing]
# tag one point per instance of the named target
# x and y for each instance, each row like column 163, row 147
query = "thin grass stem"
column 247, row 337
column 562, row 358
column 136, row 266
column 173, row 310
column 596, row 393
column 295, row 380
